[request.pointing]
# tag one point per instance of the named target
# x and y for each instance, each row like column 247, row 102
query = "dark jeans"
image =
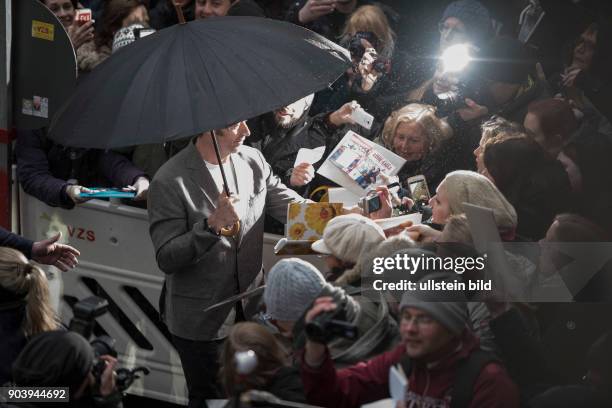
column 200, row 360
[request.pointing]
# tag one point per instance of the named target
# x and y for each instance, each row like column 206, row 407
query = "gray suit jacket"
column 201, row 268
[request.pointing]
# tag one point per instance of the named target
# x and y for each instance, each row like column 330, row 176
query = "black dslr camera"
column 357, row 49
column 85, row 313
column 329, row 325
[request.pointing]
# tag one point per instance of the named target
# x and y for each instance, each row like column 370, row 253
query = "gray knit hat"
column 449, row 308
column 473, row 15
column 291, row 286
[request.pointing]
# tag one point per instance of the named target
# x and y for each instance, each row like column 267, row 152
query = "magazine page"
column 356, row 163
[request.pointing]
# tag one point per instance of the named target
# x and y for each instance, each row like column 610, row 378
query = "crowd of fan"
column 533, row 146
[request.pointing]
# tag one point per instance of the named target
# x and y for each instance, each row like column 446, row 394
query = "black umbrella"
column 194, row 77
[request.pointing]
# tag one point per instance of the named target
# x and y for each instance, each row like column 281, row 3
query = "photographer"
column 66, row 359
column 436, row 348
column 379, row 76
column 293, row 285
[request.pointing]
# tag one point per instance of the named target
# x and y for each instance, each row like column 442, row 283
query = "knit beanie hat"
column 504, row 59
column 463, row 186
column 54, row 359
column 473, row 15
column 291, row 286
column 347, row 236
column 449, row 308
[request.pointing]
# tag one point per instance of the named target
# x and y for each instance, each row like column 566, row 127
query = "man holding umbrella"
column 182, row 81
column 188, row 208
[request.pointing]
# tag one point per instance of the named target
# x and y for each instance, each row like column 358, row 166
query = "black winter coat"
column 43, row 168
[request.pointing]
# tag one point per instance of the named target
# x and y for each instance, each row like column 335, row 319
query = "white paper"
column 342, row 195
column 386, row 223
column 335, row 174
column 398, row 384
column 309, row 155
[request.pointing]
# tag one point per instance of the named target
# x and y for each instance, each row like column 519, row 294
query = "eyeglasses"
column 419, row 320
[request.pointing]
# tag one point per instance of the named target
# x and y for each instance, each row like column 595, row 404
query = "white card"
column 309, row 155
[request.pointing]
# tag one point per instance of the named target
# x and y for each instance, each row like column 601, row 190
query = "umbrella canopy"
column 195, row 77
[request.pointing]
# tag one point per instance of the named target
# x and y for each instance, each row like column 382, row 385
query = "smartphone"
column 419, row 192
column 82, row 16
column 362, row 118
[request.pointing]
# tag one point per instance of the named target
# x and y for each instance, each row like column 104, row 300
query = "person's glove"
column 141, row 187
column 74, row 192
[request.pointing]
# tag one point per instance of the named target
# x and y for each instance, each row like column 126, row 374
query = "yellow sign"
column 41, row 30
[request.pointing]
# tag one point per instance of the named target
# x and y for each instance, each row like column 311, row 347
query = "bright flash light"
column 455, row 58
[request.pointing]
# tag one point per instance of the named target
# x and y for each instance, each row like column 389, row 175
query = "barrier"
column 118, row 262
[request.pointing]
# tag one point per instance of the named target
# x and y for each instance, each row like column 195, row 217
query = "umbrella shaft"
column 218, row 154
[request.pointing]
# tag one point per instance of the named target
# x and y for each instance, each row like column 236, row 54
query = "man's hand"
column 80, row 34
column 386, row 207
column 423, row 233
column 49, row 252
column 225, row 214
column 343, row 115
column 141, row 187
column 314, row 9
column 315, row 352
column 473, row 110
column 107, row 379
column 301, row 175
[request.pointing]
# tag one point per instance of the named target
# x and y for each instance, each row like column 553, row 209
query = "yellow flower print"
column 294, row 210
column 317, row 216
column 296, row 231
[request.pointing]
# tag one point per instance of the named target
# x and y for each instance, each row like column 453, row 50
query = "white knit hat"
column 125, row 36
column 463, row 186
column 347, row 236
column 291, row 286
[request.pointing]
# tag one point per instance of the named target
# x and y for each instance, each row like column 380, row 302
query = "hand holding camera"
column 314, row 351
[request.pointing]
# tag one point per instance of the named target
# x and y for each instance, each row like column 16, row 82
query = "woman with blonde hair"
column 25, row 308
column 459, row 187
column 379, row 77
column 415, row 133
column 272, row 373
column 370, row 19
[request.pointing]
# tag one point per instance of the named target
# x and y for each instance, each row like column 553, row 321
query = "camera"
column 370, row 203
column 329, row 325
column 357, row 49
column 85, row 313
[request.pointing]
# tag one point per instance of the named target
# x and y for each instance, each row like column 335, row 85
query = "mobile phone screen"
column 419, row 191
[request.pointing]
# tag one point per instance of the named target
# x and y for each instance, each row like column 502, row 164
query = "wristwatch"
column 210, row 229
